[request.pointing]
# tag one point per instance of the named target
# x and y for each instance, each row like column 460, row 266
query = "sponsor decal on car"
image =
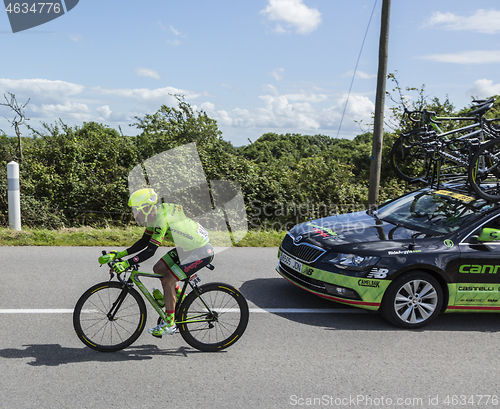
column 478, row 269
column 339, row 238
column 402, row 252
column 462, row 198
column 448, row 243
column 379, row 273
column 474, row 288
column 363, row 282
column 323, row 231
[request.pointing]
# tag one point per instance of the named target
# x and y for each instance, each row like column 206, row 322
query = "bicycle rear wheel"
column 214, row 318
column 108, row 318
column 484, row 171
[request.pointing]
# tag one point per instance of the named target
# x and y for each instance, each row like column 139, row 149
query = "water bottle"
column 157, row 294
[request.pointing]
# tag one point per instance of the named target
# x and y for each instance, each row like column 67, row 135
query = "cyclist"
column 193, row 249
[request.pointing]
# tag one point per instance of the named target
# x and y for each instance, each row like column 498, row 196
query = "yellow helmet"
column 143, row 200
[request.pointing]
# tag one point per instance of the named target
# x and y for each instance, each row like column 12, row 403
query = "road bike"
column 434, row 157
column 112, row 315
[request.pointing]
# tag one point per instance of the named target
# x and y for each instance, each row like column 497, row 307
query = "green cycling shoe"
column 162, row 329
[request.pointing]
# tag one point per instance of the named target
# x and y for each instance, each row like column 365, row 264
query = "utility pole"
column 378, row 127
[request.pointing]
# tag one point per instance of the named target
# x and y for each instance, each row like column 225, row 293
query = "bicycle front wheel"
column 214, row 318
column 484, row 171
column 409, row 160
column 108, row 318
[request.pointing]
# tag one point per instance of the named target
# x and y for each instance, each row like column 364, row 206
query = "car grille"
column 304, row 252
column 309, row 282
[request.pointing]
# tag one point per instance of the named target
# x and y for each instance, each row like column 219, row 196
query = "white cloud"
column 309, row 111
column 207, row 106
column 231, row 87
column 361, row 75
column 466, row 57
column 293, row 13
column 484, row 88
column 278, row 73
column 301, row 112
column 146, row 72
column 174, row 31
column 76, row 37
column 104, row 111
column 482, row 21
column 161, row 95
column 50, row 90
column 74, row 110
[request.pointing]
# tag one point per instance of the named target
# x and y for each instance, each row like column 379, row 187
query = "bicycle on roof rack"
column 431, row 156
column 112, row 315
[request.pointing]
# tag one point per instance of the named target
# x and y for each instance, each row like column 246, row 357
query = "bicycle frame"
column 192, row 282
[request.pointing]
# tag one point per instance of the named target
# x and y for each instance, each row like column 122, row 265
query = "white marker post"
column 14, row 196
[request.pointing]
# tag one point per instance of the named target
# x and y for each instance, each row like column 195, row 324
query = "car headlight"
column 353, row 261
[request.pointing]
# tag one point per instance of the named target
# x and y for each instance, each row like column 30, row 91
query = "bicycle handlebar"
column 427, row 116
column 111, row 261
column 480, row 108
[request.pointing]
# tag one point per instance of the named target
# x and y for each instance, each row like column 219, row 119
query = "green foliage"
column 415, row 99
column 171, row 127
column 78, row 176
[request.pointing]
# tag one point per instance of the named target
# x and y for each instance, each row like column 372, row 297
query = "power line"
column 356, row 68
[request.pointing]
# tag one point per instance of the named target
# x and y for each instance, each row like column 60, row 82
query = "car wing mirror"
column 488, row 234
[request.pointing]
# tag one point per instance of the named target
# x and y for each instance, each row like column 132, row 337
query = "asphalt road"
column 288, row 357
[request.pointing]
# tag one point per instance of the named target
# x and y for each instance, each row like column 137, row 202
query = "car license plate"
column 292, row 263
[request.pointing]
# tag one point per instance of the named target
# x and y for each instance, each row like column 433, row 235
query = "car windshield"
column 433, row 212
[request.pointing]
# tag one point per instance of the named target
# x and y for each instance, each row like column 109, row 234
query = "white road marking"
column 252, row 310
column 36, row 311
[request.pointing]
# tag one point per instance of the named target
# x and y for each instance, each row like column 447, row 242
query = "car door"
column 478, row 278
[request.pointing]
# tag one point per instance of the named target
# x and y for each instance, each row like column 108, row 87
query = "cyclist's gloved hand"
column 112, row 255
column 121, row 266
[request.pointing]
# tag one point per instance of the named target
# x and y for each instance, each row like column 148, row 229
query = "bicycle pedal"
column 157, row 336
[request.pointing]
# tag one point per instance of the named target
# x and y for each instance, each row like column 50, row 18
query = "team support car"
column 423, row 253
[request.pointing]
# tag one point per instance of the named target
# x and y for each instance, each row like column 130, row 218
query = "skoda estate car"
column 427, row 252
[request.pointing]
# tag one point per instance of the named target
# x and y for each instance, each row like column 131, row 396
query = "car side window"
column 489, row 231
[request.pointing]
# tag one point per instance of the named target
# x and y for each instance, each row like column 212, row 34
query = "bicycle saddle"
column 481, row 109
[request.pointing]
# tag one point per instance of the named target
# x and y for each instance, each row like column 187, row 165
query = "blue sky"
column 255, row 66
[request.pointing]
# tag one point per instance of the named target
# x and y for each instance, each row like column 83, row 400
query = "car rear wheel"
column 412, row 300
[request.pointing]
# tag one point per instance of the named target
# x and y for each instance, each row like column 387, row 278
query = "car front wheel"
column 412, row 300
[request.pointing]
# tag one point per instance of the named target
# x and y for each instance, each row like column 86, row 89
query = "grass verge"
column 111, row 236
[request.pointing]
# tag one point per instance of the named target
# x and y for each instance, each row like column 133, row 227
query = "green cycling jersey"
column 171, row 223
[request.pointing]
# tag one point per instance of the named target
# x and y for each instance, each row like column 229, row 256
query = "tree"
column 171, row 127
column 19, row 119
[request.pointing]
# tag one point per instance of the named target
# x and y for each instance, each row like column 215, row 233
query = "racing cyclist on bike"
column 193, row 249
